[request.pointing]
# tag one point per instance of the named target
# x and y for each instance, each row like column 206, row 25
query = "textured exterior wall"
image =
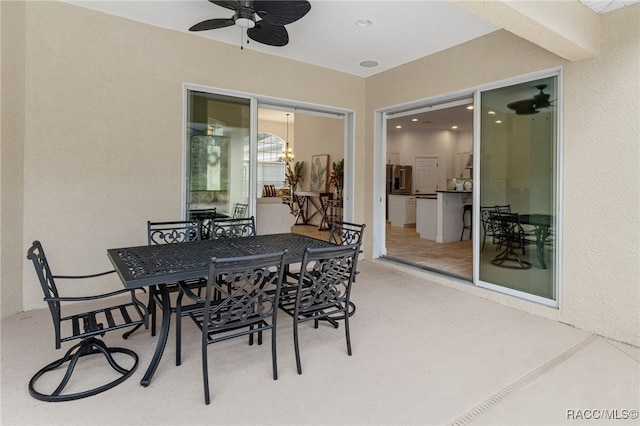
column 11, row 146
column 601, row 233
column 102, row 141
column 103, row 138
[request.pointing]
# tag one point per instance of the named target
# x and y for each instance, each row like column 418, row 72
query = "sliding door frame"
column 257, row 101
column 379, row 157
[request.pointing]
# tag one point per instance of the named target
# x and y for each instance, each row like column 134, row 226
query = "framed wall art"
column 319, row 172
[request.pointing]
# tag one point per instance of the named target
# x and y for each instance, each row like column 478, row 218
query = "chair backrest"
column 173, row 232
column 507, row 227
column 326, row 275
column 243, row 290
column 485, row 218
column 206, row 219
column 233, row 228
column 345, row 233
column 240, row 210
column 503, row 209
column 47, row 282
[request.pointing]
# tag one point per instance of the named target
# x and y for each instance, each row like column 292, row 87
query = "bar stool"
column 467, row 208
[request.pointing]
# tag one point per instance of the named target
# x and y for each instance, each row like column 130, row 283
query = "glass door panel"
column 217, row 163
column 518, row 188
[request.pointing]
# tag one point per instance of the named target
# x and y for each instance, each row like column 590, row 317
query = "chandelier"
column 287, row 153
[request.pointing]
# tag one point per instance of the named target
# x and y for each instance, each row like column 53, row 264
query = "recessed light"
column 369, row 64
column 454, row 127
column 470, row 107
column 491, row 113
column 414, row 119
column 364, row 23
column 498, row 121
column 398, row 127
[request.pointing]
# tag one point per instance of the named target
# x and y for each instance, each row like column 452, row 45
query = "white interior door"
column 426, row 174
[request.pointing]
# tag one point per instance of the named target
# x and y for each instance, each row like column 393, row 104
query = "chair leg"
column 205, row 372
column 296, row 345
column 274, row 353
column 87, row 347
column 347, row 334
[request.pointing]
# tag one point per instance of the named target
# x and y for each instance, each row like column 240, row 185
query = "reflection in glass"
column 218, row 160
column 518, row 175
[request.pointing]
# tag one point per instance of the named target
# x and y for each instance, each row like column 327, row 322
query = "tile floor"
column 405, row 245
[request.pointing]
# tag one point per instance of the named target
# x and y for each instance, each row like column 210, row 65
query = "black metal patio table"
column 145, row 266
column 542, row 223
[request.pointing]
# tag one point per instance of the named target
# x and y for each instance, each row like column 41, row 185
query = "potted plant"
column 294, row 176
column 336, row 179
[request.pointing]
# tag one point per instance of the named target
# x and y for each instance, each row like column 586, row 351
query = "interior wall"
column 103, row 141
column 318, row 135
column 412, row 142
column 600, row 271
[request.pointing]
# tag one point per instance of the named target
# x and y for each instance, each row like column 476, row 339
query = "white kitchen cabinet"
column 393, row 158
column 402, row 210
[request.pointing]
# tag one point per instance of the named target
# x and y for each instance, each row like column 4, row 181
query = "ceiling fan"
column 269, row 28
column 532, row 106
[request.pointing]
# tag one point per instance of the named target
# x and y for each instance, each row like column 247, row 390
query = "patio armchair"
column 86, row 326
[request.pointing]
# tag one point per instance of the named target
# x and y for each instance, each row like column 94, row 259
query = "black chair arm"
column 184, row 287
column 86, row 298
column 74, row 277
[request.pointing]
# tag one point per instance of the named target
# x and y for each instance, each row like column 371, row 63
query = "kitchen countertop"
column 427, row 196
column 453, row 191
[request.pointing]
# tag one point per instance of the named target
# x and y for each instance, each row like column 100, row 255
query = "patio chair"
column 342, row 233
column 323, row 290
column 511, row 235
column 233, row 228
column 239, row 210
column 85, row 326
column 489, row 227
column 241, row 299
column 171, row 232
column 205, row 217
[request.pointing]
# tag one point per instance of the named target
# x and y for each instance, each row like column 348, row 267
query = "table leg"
column 162, row 337
column 541, row 236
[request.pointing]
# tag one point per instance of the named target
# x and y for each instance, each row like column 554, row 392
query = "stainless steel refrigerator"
column 398, row 181
column 402, row 179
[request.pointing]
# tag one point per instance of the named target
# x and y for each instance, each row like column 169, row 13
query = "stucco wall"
column 102, row 114
column 601, row 233
column 103, row 109
column 11, row 160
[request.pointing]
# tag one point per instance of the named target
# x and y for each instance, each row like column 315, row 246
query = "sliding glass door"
column 518, row 190
column 217, row 159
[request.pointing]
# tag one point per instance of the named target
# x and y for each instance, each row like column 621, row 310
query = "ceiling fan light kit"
column 269, row 28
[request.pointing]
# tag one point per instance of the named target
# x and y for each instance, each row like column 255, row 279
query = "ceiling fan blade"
column 212, row 24
column 281, row 12
column 272, row 35
column 233, row 5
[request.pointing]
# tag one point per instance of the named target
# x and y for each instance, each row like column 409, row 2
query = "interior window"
column 270, row 170
column 218, row 152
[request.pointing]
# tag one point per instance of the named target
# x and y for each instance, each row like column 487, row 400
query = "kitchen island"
column 450, row 208
column 439, row 217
